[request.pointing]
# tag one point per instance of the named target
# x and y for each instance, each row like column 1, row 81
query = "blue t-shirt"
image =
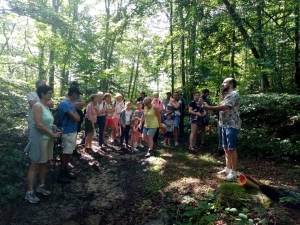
column 169, row 124
column 69, row 125
column 79, row 99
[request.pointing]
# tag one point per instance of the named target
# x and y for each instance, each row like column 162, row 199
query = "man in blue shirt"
column 69, row 118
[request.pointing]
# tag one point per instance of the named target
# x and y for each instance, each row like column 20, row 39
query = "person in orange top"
column 92, row 110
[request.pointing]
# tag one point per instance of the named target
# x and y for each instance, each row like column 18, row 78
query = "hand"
column 57, row 135
column 204, row 105
column 123, row 126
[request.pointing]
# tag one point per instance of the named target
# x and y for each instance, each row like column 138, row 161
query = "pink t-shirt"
column 158, row 104
column 91, row 113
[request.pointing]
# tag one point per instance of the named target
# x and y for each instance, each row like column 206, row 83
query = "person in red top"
column 92, row 111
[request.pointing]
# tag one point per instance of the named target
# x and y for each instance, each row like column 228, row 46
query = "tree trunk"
column 172, row 47
column 55, row 4
column 182, row 66
column 296, row 48
column 264, row 79
column 232, row 51
column 130, row 82
column 42, row 72
column 135, row 77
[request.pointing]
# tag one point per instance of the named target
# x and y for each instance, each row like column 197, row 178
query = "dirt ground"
column 108, row 190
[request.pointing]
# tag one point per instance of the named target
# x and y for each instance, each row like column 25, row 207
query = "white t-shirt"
column 128, row 114
column 32, row 96
column 118, row 109
column 101, row 106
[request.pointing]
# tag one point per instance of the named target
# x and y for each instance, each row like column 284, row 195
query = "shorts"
column 149, row 131
column 69, row 142
column 116, row 121
column 176, row 120
column 47, row 151
column 109, row 121
column 88, row 126
column 230, row 138
column 169, row 134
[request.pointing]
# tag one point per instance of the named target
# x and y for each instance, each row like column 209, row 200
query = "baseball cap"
column 74, row 83
column 73, row 90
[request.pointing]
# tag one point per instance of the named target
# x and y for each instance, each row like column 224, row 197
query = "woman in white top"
column 119, row 106
column 101, row 118
column 110, row 109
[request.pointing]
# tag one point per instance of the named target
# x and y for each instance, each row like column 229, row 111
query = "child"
column 199, row 110
column 170, row 128
column 125, row 120
column 138, row 113
column 135, row 135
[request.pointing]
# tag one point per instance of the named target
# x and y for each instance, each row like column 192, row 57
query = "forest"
column 130, row 46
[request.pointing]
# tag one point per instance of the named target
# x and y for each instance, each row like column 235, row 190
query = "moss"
column 267, row 203
column 232, row 195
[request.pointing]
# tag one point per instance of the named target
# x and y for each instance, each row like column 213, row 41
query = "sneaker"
column 141, row 146
column 231, row 176
column 135, row 150
column 42, row 189
column 224, row 171
column 31, row 197
column 149, row 154
column 176, row 143
column 162, row 142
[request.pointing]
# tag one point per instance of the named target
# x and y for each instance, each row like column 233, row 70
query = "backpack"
column 57, row 122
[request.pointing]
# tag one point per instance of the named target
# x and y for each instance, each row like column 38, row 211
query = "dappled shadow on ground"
column 111, row 185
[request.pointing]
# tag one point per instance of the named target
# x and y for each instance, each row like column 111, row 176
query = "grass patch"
column 194, row 194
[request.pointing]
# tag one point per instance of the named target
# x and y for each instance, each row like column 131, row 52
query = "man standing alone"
column 230, row 123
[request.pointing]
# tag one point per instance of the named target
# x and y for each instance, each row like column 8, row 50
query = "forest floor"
column 113, row 186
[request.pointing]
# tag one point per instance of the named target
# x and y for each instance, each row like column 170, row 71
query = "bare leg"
column 33, row 170
column 202, row 134
column 42, row 173
column 193, row 135
column 232, row 155
column 176, row 134
column 228, row 159
column 150, row 142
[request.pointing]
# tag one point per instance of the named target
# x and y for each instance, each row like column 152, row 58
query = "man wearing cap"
column 79, row 103
column 140, row 99
column 69, row 118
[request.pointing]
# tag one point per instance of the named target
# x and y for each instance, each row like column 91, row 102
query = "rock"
column 94, row 220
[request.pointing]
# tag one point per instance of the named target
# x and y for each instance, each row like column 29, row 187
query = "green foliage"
column 12, row 173
column 270, row 126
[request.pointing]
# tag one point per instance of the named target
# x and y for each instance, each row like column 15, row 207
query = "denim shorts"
column 176, row 120
column 149, row 131
column 230, row 138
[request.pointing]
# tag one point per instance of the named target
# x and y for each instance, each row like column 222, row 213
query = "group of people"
column 150, row 116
